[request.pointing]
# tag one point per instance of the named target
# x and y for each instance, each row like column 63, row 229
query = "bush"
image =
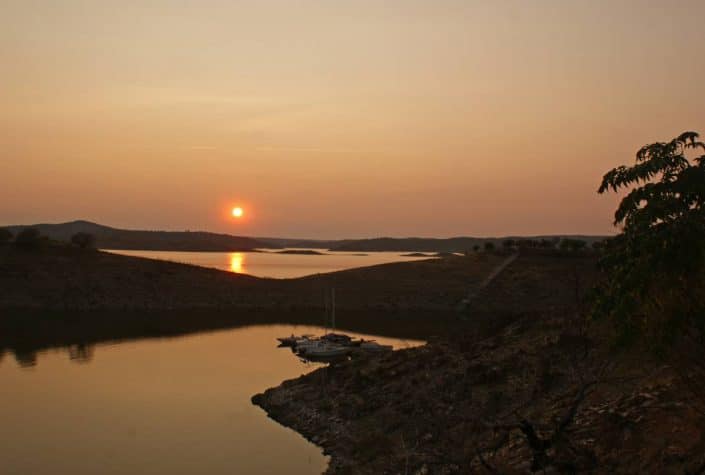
column 489, row 246
column 655, row 266
column 83, row 240
column 573, row 245
column 5, row 236
column 28, row 238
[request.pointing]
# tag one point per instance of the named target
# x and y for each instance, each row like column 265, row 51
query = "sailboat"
column 330, row 344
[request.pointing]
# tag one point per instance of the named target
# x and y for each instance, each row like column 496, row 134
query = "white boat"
column 324, row 350
column 304, row 344
column 290, row 340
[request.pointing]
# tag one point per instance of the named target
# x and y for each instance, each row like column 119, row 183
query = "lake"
column 272, row 263
column 156, row 406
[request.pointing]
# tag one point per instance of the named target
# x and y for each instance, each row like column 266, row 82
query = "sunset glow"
column 465, row 112
column 237, row 212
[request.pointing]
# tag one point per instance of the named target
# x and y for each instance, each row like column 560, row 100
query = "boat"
column 339, row 338
column 324, row 350
column 291, row 340
column 303, row 344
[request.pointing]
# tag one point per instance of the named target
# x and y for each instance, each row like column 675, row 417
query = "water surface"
column 161, row 406
column 272, row 263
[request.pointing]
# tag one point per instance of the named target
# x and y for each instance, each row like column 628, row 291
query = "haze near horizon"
column 334, row 119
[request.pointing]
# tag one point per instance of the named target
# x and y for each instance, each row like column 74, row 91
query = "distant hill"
column 112, row 238
column 456, row 244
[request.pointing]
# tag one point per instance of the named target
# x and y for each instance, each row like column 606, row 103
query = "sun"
column 238, row 212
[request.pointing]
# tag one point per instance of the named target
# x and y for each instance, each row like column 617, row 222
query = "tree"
column 655, row 266
column 545, row 243
column 573, row 245
column 476, row 247
column 508, row 243
column 5, row 236
column 83, row 240
column 28, row 238
column 489, row 246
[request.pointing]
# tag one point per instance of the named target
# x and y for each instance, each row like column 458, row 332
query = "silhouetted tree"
column 599, row 245
column 476, row 247
column 569, row 244
column 507, row 243
column 655, row 266
column 489, row 246
column 28, row 238
column 5, row 236
column 83, row 240
column 545, row 243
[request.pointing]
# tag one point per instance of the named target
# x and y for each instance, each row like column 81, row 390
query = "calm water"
column 272, row 264
column 169, row 406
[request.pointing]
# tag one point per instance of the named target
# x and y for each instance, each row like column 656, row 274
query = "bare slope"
column 63, row 277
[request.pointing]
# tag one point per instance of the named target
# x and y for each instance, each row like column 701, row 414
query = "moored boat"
column 293, row 339
column 324, row 350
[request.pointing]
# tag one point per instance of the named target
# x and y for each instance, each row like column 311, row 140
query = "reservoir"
column 273, row 263
column 157, row 406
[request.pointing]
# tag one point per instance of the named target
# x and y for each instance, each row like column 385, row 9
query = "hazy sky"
column 338, row 118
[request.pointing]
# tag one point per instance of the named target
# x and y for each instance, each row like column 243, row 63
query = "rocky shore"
column 529, row 385
column 527, row 399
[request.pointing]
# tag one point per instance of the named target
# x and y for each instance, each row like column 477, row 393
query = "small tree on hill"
column 545, row 243
column 28, row 238
column 489, row 246
column 655, row 266
column 5, row 236
column 83, row 240
column 569, row 244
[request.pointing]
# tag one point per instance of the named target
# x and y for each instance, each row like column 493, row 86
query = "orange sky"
column 338, row 118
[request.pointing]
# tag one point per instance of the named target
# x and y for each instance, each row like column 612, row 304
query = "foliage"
column 83, row 240
column 28, row 238
column 599, row 245
column 5, row 236
column 489, row 246
column 573, row 245
column 655, row 266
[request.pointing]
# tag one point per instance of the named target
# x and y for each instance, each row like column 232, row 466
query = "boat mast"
column 326, row 311
column 332, row 313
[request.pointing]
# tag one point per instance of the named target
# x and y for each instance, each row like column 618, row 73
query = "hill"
column 113, row 238
column 60, row 295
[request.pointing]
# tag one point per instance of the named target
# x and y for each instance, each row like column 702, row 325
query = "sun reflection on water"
column 237, row 262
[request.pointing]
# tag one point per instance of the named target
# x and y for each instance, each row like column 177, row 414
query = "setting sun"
column 237, row 212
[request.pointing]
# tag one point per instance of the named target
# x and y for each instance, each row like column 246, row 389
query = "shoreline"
column 493, row 405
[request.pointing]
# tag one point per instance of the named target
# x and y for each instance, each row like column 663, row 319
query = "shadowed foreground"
column 527, row 386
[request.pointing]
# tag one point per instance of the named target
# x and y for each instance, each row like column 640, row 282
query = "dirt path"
column 475, row 291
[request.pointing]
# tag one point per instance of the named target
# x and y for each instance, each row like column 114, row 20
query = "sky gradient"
column 338, row 119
